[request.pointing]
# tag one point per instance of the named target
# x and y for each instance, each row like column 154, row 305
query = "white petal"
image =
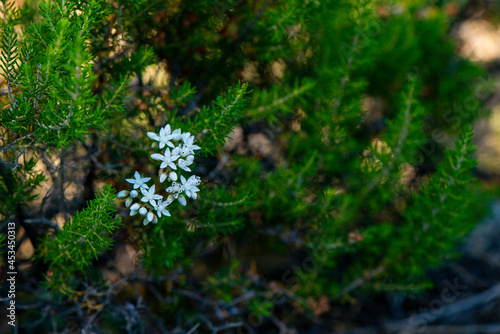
column 193, row 195
column 153, row 135
column 182, row 200
column 163, row 177
column 183, row 179
column 157, row 156
column 162, row 145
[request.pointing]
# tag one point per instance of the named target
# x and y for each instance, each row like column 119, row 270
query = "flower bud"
column 133, row 193
column 122, row 194
column 143, row 211
column 173, row 176
column 128, row 201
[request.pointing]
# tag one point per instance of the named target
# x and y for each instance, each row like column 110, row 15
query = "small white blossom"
column 189, row 141
column 161, row 208
column 189, row 186
column 139, row 181
column 183, row 164
column 175, row 189
column 167, row 158
column 150, row 196
column 163, row 138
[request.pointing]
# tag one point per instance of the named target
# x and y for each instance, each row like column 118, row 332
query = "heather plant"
column 258, row 160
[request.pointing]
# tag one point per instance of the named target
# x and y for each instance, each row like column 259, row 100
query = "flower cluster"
column 178, row 155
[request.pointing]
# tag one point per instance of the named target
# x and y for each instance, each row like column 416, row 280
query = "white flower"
column 149, row 195
column 175, row 189
column 183, row 164
column 186, row 150
column 177, row 150
column 163, row 138
column 196, row 180
column 139, row 181
column 167, row 158
column 161, row 208
column 190, row 184
column 189, row 141
column 122, row 194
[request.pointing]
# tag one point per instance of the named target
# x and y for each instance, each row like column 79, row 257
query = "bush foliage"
column 336, row 157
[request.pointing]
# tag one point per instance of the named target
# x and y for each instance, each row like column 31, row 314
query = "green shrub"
column 352, row 172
